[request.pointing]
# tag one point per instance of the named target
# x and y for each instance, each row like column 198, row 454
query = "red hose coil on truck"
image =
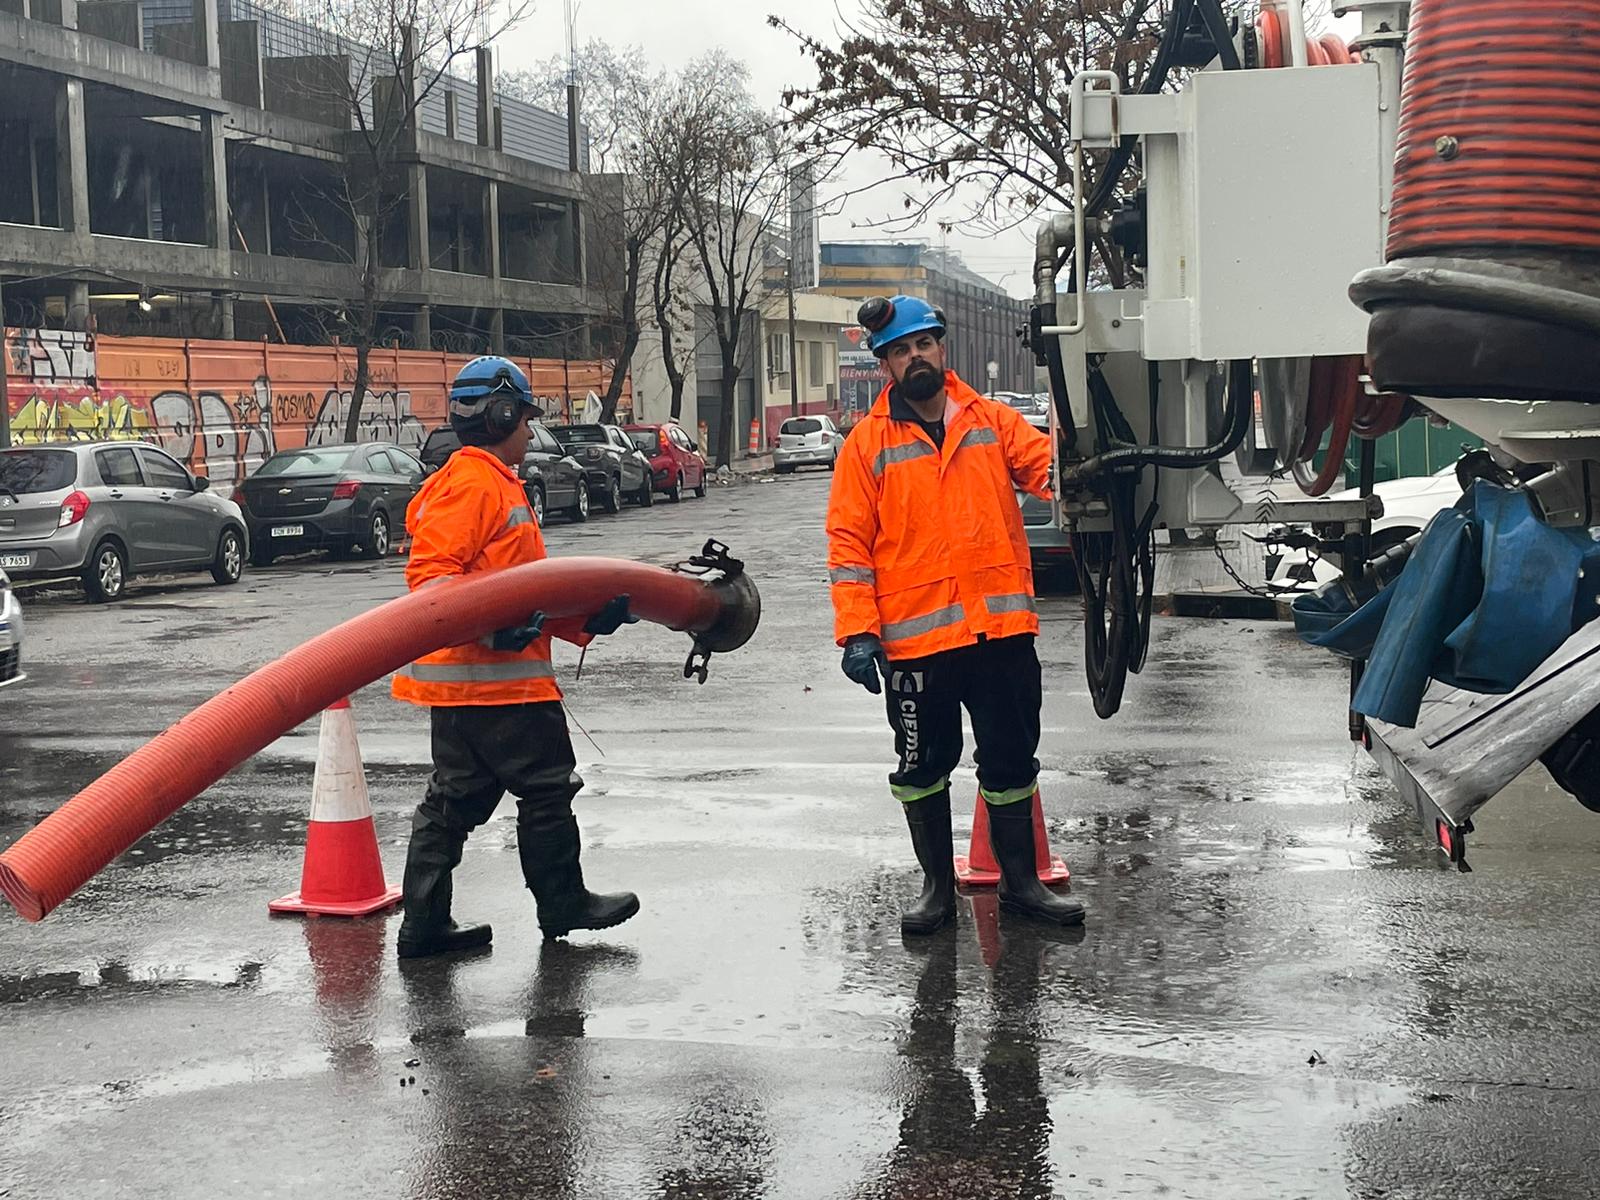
column 70, row 846
column 1500, row 128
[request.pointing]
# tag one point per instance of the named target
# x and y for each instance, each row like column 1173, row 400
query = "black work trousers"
column 998, row 682
column 481, row 752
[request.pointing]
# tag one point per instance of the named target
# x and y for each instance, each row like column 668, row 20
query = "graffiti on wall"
column 220, row 413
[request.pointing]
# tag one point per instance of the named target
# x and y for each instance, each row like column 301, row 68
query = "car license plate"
column 287, row 530
column 16, row 561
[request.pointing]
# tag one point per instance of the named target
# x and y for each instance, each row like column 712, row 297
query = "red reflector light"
column 346, row 489
column 73, row 509
column 1446, row 841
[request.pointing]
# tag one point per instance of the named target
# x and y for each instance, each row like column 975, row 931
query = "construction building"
column 983, row 319
column 174, row 169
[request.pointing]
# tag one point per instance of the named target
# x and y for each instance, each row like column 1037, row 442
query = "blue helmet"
column 889, row 320
column 489, row 396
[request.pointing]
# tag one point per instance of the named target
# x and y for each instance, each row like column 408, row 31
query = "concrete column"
column 77, row 306
column 485, row 97
column 418, row 252
column 422, row 327
column 72, row 159
column 206, row 39
column 497, row 331
column 491, row 227
column 222, row 303
column 577, row 228
column 214, row 184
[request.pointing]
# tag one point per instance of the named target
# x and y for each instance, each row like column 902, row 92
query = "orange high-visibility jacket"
column 474, row 516
column 926, row 548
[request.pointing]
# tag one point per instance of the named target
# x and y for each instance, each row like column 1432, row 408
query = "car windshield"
column 323, row 460
column 647, row 440
column 802, row 426
column 579, row 435
column 26, row 471
column 441, row 439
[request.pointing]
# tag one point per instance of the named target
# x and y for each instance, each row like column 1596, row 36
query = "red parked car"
column 675, row 461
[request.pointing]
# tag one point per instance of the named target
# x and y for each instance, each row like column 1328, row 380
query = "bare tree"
column 735, row 215
column 386, row 60
column 967, row 99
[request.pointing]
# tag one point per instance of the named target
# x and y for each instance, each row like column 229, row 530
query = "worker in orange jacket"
column 498, row 725
column 932, row 588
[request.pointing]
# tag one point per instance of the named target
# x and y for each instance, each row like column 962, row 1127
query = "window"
column 801, row 426
column 408, row 467
column 580, row 435
column 618, row 438
column 325, row 460
column 777, row 354
column 23, row 472
column 119, row 467
column 161, row 472
column 543, row 440
column 679, row 438
column 818, row 365
column 647, row 440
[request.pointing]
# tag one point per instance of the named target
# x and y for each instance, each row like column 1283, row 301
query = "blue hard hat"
column 490, row 374
column 888, row 319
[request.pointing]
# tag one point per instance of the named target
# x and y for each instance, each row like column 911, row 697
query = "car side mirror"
column 201, row 483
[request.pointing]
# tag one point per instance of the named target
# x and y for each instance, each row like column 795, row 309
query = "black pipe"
column 1241, row 408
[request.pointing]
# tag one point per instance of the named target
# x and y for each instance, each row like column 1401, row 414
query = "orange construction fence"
column 223, row 407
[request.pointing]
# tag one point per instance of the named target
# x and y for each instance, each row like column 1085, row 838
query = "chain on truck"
column 1326, row 240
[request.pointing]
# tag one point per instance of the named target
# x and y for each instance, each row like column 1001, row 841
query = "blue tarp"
column 1490, row 592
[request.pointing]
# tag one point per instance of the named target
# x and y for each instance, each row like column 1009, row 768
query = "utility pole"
column 794, row 348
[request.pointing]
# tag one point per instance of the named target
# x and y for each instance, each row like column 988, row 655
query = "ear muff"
column 501, row 417
column 875, row 313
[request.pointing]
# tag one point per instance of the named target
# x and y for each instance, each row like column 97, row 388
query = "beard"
column 922, row 381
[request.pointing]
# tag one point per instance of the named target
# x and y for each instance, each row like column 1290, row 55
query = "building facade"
column 983, row 319
column 175, row 166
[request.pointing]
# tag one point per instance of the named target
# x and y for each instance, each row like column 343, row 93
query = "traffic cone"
column 755, row 437
column 342, row 875
column 977, row 867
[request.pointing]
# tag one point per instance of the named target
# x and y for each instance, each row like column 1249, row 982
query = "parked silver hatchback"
column 10, row 635
column 107, row 511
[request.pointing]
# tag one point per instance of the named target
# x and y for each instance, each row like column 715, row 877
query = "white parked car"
column 10, row 635
column 807, row 442
column 1408, row 505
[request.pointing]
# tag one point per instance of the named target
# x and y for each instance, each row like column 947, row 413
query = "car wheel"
column 105, row 576
column 785, row 470
column 647, row 494
column 675, row 492
column 833, row 461
column 579, row 512
column 700, row 490
column 260, row 555
column 229, row 564
column 536, row 500
column 613, row 498
column 376, row 542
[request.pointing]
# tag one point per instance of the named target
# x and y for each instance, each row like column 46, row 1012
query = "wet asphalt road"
column 1280, row 991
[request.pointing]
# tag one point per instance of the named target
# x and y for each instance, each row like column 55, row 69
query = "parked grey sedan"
column 107, row 511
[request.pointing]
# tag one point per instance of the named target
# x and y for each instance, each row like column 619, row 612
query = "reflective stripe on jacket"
column 473, row 516
column 926, row 547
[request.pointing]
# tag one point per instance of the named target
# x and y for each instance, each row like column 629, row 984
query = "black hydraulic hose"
column 1058, row 385
column 1241, row 408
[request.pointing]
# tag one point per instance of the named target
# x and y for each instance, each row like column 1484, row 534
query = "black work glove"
column 865, row 662
column 611, row 618
column 519, row 637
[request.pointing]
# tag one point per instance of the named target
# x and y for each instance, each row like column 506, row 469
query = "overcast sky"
column 672, row 32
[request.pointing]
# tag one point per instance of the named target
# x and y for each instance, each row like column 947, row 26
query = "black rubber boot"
column 549, row 849
column 1011, row 835
column 929, row 819
column 426, row 892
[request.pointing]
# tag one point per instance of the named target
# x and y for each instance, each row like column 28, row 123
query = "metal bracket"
column 713, row 558
column 697, row 671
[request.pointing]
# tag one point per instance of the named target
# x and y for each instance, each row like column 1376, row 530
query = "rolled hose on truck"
column 73, row 844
